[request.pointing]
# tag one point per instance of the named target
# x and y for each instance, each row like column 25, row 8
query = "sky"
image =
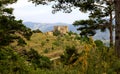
column 28, row 12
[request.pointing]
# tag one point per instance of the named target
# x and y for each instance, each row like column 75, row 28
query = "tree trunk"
column 111, row 28
column 111, row 36
column 117, row 27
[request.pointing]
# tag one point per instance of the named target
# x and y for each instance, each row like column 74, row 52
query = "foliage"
column 97, row 19
column 9, row 26
column 90, row 60
column 85, row 60
column 87, row 27
column 46, row 50
column 11, row 62
column 69, row 52
column 47, row 40
column 57, row 43
column 37, row 31
column 37, row 60
column 56, row 33
column 21, row 42
column 77, row 37
column 99, row 43
column 42, row 43
column 71, row 33
column 12, row 30
column 66, row 5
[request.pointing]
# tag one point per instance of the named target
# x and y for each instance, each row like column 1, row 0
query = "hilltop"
column 67, row 53
column 52, row 46
column 45, row 27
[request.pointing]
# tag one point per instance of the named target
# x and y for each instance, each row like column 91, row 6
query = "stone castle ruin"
column 61, row 29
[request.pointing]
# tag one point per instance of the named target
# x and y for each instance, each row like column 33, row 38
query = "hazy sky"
column 43, row 14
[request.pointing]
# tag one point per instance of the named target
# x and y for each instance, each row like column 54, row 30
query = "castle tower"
column 61, row 29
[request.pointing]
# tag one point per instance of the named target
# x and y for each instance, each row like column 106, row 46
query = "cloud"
column 29, row 12
column 21, row 4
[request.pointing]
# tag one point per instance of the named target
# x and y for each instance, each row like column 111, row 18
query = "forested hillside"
column 26, row 51
column 69, row 53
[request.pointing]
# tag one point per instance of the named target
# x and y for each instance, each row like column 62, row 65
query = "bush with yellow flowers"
column 93, row 59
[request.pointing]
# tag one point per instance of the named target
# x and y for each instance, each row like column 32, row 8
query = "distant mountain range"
column 45, row 27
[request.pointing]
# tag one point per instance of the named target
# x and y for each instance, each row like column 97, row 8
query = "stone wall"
column 49, row 33
column 61, row 29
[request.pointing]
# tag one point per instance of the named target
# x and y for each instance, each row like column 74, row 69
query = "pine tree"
column 87, row 27
column 9, row 26
column 102, row 17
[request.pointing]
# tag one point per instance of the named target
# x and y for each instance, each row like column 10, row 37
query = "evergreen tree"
column 10, row 29
column 87, row 27
column 9, row 26
column 101, row 17
column 101, row 13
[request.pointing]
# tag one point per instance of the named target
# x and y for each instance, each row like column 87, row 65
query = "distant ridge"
column 45, row 27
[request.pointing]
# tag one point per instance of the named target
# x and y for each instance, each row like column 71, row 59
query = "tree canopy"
column 9, row 26
column 102, row 17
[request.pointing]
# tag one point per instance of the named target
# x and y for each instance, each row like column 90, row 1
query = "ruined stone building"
column 61, row 29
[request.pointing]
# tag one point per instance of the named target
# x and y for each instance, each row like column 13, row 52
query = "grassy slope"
column 52, row 46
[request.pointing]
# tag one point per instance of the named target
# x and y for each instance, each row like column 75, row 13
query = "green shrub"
column 68, row 54
column 72, row 33
column 21, row 42
column 46, row 50
column 37, row 60
column 77, row 37
column 57, row 43
column 56, row 33
column 37, row 31
column 47, row 40
column 42, row 43
column 99, row 43
column 52, row 48
column 12, row 63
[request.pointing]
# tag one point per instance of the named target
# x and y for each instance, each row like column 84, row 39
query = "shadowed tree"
column 101, row 17
column 11, row 30
column 87, row 27
column 9, row 26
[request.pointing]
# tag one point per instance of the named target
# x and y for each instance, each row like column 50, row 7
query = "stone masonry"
column 61, row 29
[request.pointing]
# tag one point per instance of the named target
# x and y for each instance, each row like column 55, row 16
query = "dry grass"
column 51, row 46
